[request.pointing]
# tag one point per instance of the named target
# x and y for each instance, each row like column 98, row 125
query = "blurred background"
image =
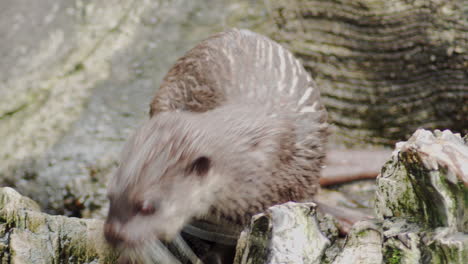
column 77, row 76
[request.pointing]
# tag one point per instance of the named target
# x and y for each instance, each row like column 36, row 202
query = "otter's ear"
column 200, row 166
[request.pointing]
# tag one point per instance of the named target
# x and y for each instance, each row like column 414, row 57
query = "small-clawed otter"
column 236, row 127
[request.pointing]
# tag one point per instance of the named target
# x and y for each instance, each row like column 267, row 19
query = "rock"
column 287, row 233
column 426, row 181
column 294, row 233
column 421, row 198
column 30, row 236
column 421, row 209
column 363, row 245
column 407, row 242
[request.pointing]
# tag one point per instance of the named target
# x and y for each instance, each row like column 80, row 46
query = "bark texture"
column 385, row 68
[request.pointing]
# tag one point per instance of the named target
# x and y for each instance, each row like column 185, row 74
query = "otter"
column 236, row 126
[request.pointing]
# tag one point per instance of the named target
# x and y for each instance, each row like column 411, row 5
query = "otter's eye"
column 146, row 208
column 200, row 166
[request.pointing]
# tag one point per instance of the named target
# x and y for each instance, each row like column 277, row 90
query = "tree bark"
column 385, row 68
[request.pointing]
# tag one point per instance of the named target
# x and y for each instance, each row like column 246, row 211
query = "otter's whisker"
column 160, row 254
column 185, row 249
column 131, row 255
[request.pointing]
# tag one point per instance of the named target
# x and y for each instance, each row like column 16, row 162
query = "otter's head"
column 167, row 175
column 178, row 166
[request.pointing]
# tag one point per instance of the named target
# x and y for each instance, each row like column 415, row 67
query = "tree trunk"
column 385, row 68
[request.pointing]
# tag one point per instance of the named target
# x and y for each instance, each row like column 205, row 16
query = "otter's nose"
column 112, row 234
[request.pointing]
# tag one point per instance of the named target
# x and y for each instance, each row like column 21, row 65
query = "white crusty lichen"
column 287, row 233
column 363, row 245
column 422, row 198
column 426, row 181
column 421, row 214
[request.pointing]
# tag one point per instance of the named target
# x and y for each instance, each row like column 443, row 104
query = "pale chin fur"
column 176, row 212
column 141, row 247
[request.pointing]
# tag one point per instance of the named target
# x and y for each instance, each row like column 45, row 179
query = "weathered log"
column 385, row 68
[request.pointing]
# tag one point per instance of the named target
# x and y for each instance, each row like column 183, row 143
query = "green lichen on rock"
column 396, row 192
column 421, row 208
column 425, row 181
column 402, row 243
column 424, row 245
column 29, row 236
column 392, row 256
column 254, row 246
column 449, row 248
column 363, row 244
column 421, row 197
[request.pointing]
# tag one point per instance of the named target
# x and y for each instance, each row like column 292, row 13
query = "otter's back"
column 243, row 66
